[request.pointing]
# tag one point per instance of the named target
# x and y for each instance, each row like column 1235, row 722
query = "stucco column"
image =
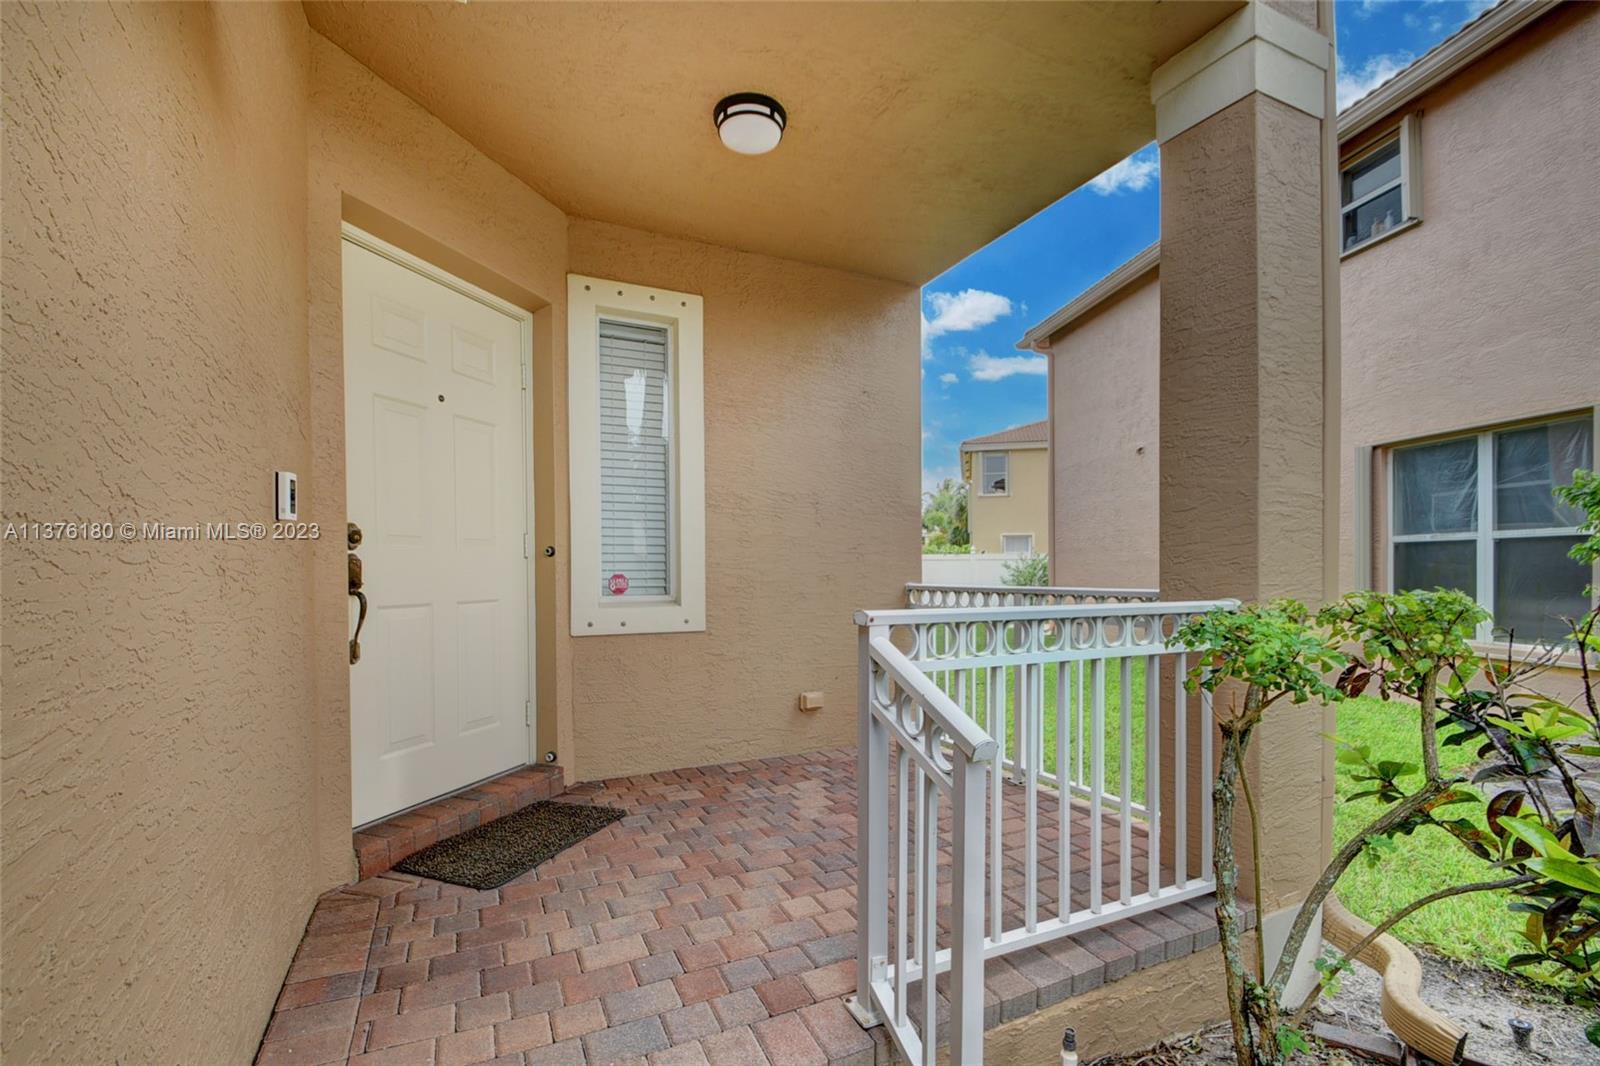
column 1244, row 118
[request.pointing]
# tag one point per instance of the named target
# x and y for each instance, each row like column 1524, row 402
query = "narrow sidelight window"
column 637, row 458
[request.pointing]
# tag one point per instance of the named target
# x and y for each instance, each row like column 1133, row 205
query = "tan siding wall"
column 1105, row 383
column 158, row 791
column 1489, row 310
column 811, row 509
column 1026, row 509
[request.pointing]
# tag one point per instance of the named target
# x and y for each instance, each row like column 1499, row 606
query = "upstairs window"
column 995, row 469
column 1378, row 187
column 1476, row 513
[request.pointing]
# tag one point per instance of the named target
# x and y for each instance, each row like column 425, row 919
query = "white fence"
column 967, row 569
column 953, row 702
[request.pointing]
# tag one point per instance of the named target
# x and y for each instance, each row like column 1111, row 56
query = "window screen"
column 1017, row 543
column 636, row 460
column 995, row 466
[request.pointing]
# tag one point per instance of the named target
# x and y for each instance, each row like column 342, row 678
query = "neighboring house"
column 629, row 424
column 1008, row 483
column 1470, row 313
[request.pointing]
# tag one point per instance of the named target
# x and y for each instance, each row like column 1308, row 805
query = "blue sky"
column 974, row 380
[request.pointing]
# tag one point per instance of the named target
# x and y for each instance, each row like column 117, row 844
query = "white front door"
column 434, row 459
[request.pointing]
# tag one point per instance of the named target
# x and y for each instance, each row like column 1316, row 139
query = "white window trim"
column 1027, row 551
column 982, row 477
column 1409, row 136
column 683, row 314
column 1485, row 535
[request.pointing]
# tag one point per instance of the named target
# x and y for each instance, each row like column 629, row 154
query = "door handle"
column 353, row 539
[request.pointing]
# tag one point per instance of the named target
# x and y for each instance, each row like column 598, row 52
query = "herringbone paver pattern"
column 714, row 924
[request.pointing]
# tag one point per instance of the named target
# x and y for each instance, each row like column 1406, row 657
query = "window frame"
column 589, row 300
column 1027, row 551
column 1407, row 133
column 1485, row 536
column 983, row 476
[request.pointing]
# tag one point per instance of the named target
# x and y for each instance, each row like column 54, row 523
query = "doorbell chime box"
column 288, row 496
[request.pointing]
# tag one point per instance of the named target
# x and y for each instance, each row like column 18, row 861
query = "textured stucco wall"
column 156, row 773
column 383, row 162
column 1025, row 509
column 1489, row 311
column 1241, row 402
column 811, row 509
column 1105, row 381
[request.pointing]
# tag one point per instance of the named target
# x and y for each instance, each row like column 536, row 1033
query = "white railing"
column 991, row 716
column 924, row 594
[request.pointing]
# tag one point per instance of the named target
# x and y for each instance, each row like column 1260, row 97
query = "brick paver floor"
column 714, row 924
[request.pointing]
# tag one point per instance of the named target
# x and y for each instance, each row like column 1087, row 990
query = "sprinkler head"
column 1521, row 1033
column 1069, row 1040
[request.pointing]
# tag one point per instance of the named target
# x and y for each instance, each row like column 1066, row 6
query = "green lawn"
column 1476, row 927
column 1113, row 720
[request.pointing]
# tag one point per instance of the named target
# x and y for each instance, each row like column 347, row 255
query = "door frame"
column 524, row 318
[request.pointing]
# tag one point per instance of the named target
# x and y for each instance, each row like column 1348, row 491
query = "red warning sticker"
column 617, row 583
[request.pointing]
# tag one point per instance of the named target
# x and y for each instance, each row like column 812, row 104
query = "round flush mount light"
column 750, row 123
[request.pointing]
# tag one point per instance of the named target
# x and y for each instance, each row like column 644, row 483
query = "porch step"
column 383, row 844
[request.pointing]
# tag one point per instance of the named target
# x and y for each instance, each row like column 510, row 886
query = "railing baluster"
column 997, row 784
column 1063, row 793
column 928, row 913
column 1152, row 770
column 1077, row 778
column 1180, row 763
column 1097, row 786
column 1125, row 786
column 1030, row 708
column 917, row 950
column 902, row 888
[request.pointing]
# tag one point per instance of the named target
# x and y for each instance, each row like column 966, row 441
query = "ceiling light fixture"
column 750, row 123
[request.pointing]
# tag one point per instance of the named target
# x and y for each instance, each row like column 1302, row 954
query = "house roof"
column 1034, row 434
column 1038, row 338
column 1471, row 42
column 897, row 114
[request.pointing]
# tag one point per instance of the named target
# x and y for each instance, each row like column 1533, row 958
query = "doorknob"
column 353, row 539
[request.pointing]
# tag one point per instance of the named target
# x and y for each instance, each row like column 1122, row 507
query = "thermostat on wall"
column 288, row 497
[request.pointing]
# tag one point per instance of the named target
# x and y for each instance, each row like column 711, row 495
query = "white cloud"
column 948, row 378
column 1358, row 81
column 1137, row 172
column 959, row 312
column 986, row 367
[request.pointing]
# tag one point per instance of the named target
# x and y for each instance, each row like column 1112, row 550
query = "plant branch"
column 1390, row 922
column 1386, row 823
column 1255, row 860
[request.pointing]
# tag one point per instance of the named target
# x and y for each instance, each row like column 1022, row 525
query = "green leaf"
column 1291, row 1041
column 1582, row 876
column 1536, row 836
column 1593, row 1033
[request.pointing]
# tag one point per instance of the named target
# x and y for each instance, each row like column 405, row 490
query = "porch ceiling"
column 917, row 132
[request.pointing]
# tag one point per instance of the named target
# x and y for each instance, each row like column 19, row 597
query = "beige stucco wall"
column 1024, row 509
column 812, row 472
column 156, row 779
column 1104, row 392
column 1488, row 311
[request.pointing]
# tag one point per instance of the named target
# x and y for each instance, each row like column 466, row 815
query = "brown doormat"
column 494, row 853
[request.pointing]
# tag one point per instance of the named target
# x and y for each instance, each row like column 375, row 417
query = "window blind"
column 636, row 460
